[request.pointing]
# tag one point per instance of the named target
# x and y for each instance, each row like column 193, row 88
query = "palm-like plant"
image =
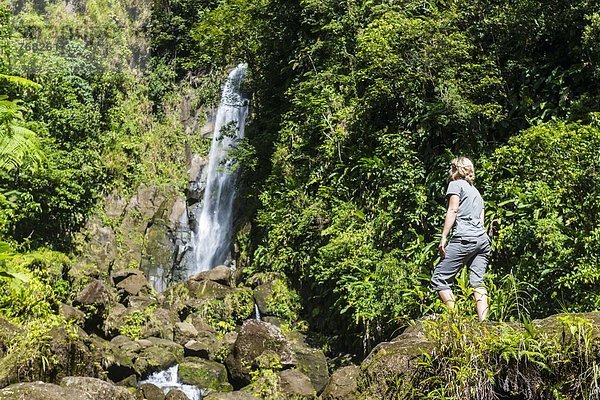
column 19, row 146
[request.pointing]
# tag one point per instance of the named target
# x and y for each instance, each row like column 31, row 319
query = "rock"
column 294, row 384
column 393, row 363
column 160, row 355
column 96, row 388
column 152, row 392
column 275, row 298
column 201, row 325
column 42, row 391
column 262, row 295
column 115, row 320
column 313, row 363
column 224, row 346
column 140, row 302
column 71, row 313
column 118, row 358
column 134, row 284
column 207, row 289
column 342, row 385
column 204, row 374
column 120, row 275
column 160, row 324
column 7, row 332
column 176, row 394
column 220, row 274
column 94, row 294
column 183, row 332
column 255, row 338
column 202, row 347
column 99, row 251
column 237, row 395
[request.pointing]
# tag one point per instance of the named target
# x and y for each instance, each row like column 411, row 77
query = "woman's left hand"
column 442, row 247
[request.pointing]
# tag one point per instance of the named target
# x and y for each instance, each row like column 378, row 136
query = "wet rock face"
column 342, row 385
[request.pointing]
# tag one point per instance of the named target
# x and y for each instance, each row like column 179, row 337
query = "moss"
column 204, row 374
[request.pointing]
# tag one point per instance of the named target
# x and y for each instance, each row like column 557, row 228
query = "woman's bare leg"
column 447, row 297
column 481, row 302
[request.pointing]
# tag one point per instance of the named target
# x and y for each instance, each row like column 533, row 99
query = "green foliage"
column 283, row 302
column 474, row 361
column 543, row 192
column 134, row 322
column 223, row 315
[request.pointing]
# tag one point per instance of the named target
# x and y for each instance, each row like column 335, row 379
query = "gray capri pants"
column 473, row 252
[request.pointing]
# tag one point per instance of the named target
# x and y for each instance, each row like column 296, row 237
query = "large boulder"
column 151, row 392
column 312, row 363
column 42, row 391
column 342, row 385
column 293, row 384
column 176, row 394
column 220, row 274
column 254, row 339
column 160, row 354
column 204, row 374
column 394, row 363
column 183, row 332
column 131, row 283
column 96, row 388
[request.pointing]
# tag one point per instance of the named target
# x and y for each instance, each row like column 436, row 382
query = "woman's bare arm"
column 453, row 202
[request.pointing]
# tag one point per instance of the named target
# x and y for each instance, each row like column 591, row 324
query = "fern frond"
column 20, row 81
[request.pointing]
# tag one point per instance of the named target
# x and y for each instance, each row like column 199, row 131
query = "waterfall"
column 211, row 238
column 167, row 380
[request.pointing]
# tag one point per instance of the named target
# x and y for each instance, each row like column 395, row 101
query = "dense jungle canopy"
column 357, row 108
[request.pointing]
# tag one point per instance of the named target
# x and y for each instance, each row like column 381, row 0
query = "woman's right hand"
column 442, row 247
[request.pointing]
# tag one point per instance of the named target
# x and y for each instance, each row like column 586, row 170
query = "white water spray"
column 167, row 380
column 211, row 237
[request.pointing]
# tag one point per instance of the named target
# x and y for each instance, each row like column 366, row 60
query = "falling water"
column 211, row 237
column 167, row 380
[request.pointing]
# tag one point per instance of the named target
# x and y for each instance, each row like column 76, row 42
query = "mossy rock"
column 204, row 374
column 275, row 298
column 312, row 363
column 391, row 367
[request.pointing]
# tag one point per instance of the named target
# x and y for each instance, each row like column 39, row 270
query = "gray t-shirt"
column 468, row 219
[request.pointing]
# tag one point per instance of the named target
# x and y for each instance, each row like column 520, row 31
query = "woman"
column 470, row 245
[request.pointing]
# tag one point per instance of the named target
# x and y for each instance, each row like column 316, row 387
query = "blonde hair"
column 461, row 168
